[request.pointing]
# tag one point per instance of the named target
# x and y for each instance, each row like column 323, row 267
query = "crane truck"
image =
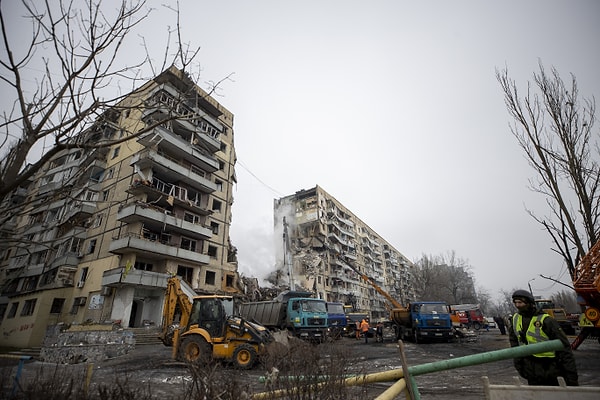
column 204, row 328
column 586, row 282
column 420, row 321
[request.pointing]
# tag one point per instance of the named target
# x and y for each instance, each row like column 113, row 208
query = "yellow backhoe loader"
column 204, row 328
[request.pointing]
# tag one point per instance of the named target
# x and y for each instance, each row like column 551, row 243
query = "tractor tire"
column 244, row 356
column 195, row 349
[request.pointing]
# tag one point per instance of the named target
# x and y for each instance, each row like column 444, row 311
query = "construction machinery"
column 201, row 328
column 296, row 312
column 419, row 321
column 586, row 282
column 468, row 316
column 558, row 313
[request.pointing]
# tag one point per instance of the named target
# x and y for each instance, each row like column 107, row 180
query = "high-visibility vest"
column 534, row 333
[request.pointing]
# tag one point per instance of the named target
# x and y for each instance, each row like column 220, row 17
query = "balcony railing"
column 154, row 247
column 141, row 211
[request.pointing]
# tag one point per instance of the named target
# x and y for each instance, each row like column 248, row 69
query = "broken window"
column 210, row 278
column 28, row 307
column 212, row 251
column 57, row 305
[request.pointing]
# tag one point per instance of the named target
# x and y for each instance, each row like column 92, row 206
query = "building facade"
column 95, row 235
column 324, row 248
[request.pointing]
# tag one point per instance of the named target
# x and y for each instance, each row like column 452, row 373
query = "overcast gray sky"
column 394, row 109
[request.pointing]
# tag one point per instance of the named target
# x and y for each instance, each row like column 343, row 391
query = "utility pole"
column 287, row 257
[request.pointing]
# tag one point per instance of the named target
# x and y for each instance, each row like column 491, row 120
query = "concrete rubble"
column 85, row 343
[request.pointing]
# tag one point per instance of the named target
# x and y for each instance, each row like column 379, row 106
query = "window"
column 76, row 245
column 116, row 152
column 143, row 266
column 229, row 280
column 219, row 184
column 221, row 165
column 105, row 195
column 97, row 176
column 83, row 277
column 188, row 244
column 97, row 221
column 186, row 273
column 2, row 311
column 91, row 246
column 216, row 206
column 223, row 147
column 193, row 218
column 110, row 173
column 210, row 278
column 214, row 227
column 28, row 307
column 13, row 310
column 57, row 305
column 78, row 302
column 212, row 251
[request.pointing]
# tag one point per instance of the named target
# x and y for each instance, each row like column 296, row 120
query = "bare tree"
column 555, row 130
column 444, row 277
column 79, row 45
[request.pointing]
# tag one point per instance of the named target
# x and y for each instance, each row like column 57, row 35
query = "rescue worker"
column 379, row 332
column 364, row 328
column 530, row 325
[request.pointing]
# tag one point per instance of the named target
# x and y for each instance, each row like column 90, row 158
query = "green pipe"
column 475, row 359
column 490, row 356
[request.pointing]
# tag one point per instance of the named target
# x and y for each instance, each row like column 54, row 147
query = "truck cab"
column 336, row 319
column 423, row 321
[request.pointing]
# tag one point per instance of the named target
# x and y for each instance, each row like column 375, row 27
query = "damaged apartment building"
column 325, row 249
column 97, row 232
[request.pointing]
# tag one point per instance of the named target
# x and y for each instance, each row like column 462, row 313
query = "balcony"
column 153, row 249
column 120, row 277
column 69, row 261
column 82, row 209
column 172, row 170
column 156, row 218
column 174, row 144
column 159, row 192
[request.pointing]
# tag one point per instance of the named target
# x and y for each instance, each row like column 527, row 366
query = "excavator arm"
column 177, row 302
column 371, row 281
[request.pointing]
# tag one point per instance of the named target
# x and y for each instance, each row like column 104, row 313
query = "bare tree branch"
column 554, row 129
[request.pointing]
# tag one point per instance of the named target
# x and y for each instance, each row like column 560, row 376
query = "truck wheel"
column 476, row 326
column 244, row 356
column 195, row 349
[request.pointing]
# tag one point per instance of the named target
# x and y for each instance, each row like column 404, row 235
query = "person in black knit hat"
column 530, row 325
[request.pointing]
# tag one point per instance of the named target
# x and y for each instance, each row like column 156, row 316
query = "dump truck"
column 297, row 312
column 203, row 328
column 420, row 321
column 423, row 321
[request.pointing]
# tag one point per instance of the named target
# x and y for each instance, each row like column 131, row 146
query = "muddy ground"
column 151, row 366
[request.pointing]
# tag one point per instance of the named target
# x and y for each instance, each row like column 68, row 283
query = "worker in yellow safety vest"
column 530, row 325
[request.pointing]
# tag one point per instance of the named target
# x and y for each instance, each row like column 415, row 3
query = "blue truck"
column 303, row 316
column 336, row 320
column 423, row 321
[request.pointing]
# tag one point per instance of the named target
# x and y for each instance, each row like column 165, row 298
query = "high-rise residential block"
column 95, row 234
column 324, row 248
